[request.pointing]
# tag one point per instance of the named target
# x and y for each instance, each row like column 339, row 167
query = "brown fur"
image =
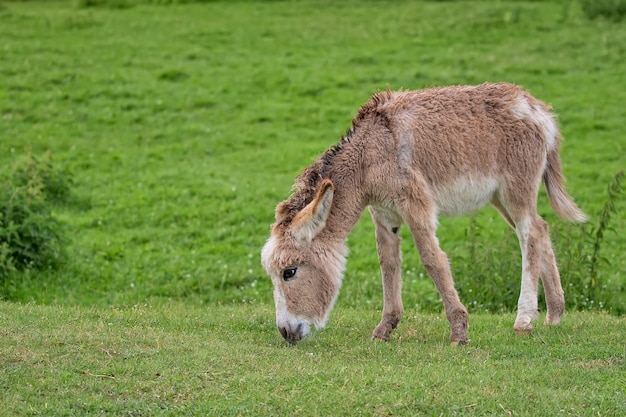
column 411, row 156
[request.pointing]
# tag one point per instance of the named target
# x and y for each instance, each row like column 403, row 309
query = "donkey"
column 412, row 156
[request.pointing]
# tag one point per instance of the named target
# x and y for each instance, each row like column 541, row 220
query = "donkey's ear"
column 312, row 219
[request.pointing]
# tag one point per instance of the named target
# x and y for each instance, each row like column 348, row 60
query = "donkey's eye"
column 289, row 273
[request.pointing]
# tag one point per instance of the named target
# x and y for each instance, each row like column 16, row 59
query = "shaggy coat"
column 412, row 156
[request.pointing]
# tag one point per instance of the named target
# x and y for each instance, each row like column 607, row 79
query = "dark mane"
column 306, row 183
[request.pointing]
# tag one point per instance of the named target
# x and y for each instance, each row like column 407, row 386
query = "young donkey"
column 411, row 156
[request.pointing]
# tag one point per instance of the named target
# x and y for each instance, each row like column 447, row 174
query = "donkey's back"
column 471, row 145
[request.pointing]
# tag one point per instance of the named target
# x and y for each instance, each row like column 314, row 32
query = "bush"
column 30, row 236
column 41, row 177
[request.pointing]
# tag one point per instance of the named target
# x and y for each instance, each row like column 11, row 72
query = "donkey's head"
column 306, row 265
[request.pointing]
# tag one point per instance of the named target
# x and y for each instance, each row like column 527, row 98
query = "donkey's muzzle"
column 291, row 335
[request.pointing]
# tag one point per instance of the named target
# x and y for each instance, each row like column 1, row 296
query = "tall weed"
column 589, row 279
column 587, row 276
column 488, row 276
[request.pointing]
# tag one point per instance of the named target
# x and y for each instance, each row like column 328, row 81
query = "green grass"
column 182, row 126
column 177, row 359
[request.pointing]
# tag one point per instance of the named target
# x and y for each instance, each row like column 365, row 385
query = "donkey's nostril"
column 283, row 332
column 290, row 336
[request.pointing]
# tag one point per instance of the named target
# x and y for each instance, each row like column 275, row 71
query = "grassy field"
column 183, row 126
column 188, row 360
column 178, row 128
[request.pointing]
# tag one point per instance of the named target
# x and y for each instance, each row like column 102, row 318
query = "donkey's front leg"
column 389, row 256
column 436, row 263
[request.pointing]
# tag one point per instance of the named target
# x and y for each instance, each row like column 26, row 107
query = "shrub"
column 30, row 236
column 40, row 176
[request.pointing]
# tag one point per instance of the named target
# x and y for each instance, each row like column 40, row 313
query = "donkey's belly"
column 464, row 195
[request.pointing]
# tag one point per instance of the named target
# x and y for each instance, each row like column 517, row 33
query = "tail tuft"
column 561, row 202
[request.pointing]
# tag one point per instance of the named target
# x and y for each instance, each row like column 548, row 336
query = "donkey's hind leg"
column 390, row 258
column 527, row 304
column 537, row 261
column 555, row 300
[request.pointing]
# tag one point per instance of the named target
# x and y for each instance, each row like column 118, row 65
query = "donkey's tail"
column 554, row 179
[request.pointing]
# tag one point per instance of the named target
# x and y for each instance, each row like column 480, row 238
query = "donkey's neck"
column 349, row 199
column 343, row 165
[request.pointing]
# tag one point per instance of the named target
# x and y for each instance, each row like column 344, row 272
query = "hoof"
column 382, row 332
column 379, row 339
column 523, row 327
column 459, row 342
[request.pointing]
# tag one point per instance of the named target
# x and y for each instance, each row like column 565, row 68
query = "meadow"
column 181, row 359
column 157, row 140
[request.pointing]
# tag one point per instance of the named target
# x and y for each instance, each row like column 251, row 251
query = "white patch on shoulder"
column 464, row 195
column 405, row 153
column 543, row 119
